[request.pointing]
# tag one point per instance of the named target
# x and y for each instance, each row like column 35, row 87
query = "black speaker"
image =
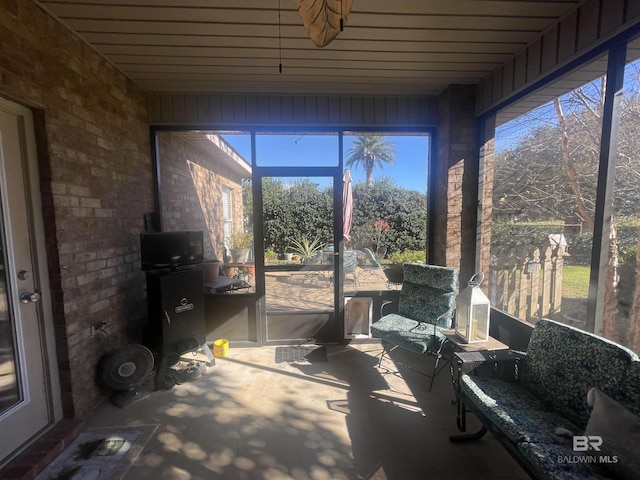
column 176, row 311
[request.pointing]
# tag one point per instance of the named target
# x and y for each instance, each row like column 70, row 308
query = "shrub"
column 628, row 256
column 306, row 248
column 270, row 255
column 407, row 256
column 241, row 240
column 508, row 235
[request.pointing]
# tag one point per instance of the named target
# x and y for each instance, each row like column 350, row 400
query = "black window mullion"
column 606, row 179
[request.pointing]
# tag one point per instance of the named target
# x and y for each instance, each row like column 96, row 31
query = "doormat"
column 99, row 454
column 301, row 354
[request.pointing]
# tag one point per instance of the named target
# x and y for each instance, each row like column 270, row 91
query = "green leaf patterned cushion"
column 409, row 334
column 631, row 388
column 518, row 413
column 548, row 459
column 564, row 363
column 428, row 292
column 426, row 304
column 434, row 276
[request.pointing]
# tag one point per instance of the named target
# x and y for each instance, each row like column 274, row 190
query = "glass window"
column 622, row 297
column 227, row 214
column 297, row 150
column 389, row 204
column 543, row 177
column 205, row 185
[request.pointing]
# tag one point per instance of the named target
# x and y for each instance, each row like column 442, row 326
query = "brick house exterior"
column 193, row 172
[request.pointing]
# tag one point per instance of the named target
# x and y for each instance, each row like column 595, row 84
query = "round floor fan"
column 125, row 369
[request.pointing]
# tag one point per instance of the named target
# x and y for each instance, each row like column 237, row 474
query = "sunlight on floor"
column 249, row 417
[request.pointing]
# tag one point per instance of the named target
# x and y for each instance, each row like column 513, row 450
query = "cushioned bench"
column 570, row 383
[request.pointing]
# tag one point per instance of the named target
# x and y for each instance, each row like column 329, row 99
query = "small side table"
column 491, row 344
column 463, row 360
column 458, row 345
column 493, row 363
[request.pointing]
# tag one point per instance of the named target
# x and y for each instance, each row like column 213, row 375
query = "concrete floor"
column 249, row 417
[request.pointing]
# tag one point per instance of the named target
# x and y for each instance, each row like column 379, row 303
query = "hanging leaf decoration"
column 323, row 18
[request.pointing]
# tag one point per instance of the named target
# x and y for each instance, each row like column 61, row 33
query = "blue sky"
column 408, row 171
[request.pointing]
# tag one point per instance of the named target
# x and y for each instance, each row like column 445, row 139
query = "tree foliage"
column 404, row 210
column 305, row 210
column 370, row 152
column 293, row 211
column 552, row 174
column 551, row 171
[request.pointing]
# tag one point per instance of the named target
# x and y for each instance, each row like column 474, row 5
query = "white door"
column 26, row 402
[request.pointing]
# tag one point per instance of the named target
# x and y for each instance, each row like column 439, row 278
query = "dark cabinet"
column 176, row 323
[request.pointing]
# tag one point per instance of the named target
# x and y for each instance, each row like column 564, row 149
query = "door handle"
column 30, row 297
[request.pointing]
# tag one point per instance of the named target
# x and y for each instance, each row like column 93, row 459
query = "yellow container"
column 220, row 348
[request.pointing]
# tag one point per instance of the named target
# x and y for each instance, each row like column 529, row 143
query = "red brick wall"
column 487, row 172
column 96, row 183
column 191, row 191
column 455, row 175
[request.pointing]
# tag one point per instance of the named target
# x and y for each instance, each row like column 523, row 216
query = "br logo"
column 583, row 443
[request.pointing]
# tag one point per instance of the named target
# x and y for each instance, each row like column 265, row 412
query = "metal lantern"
column 472, row 312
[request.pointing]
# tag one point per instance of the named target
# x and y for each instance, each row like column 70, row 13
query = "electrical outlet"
column 97, row 325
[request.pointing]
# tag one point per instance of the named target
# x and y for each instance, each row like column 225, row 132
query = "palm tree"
column 370, row 151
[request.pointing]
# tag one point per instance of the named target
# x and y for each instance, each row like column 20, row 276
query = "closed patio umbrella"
column 347, row 206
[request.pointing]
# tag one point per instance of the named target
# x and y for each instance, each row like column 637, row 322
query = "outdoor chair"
column 318, row 267
column 425, row 308
column 349, row 265
column 370, row 267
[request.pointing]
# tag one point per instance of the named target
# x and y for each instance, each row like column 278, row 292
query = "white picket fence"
column 528, row 284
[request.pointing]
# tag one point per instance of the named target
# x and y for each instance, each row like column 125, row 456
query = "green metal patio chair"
column 425, row 308
column 349, row 265
column 371, row 267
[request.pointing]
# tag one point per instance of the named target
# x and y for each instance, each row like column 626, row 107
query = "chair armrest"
column 384, row 304
column 450, row 314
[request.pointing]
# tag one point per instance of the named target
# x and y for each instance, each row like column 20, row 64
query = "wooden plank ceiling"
column 388, row 47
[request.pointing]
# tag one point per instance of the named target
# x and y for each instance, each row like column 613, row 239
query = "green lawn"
column 575, row 281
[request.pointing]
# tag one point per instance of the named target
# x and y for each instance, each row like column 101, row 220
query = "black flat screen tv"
column 170, row 250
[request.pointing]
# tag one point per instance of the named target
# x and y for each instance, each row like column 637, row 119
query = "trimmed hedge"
column 530, row 236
